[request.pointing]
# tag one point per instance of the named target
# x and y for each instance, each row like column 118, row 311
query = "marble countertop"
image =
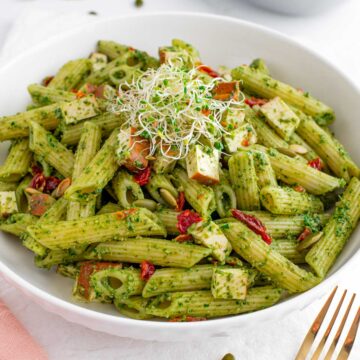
column 335, row 34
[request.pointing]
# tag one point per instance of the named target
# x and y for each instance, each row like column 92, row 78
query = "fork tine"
column 310, row 336
column 350, row 338
column 328, row 330
column 332, row 347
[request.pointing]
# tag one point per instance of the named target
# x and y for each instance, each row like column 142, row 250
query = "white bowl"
column 296, row 7
column 221, row 40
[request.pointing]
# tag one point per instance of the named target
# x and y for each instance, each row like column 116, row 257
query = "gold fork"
column 315, row 327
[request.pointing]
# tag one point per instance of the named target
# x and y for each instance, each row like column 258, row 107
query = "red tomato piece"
column 87, row 268
column 253, row 223
column 183, row 238
column 142, row 177
column 299, row 188
column 180, row 201
column 187, row 319
column 123, row 214
column 316, row 164
column 147, row 270
column 46, row 80
column 255, row 101
column 52, row 183
column 208, row 70
column 306, row 232
column 186, row 219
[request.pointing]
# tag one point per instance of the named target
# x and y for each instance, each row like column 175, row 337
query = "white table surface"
column 334, row 34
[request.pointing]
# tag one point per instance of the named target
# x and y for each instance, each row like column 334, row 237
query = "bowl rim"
column 295, row 302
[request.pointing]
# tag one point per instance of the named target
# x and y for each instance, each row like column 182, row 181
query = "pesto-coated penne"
column 134, row 307
column 112, row 49
column 17, row 162
column 171, row 280
column 56, row 212
column 109, row 208
column 169, row 219
column 294, row 172
column 288, row 249
column 107, row 122
column 89, row 145
column 244, row 180
column 156, row 186
column 264, row 172
column 96, row 174
column 282, row 271
column 200, row 197
column 127, row 190
column 263, row 85
column 16, row 224
column 71, row 75
column 99, row 228
column 203, row 304
column 265, row 134
column 323, row 254
column 8, row 186
column 44, row 95
column 17, row 126
column 44, row 144
column 130, row 281
column 286, row 201
column 157, row 251
column 322, row 142
column 225, row 198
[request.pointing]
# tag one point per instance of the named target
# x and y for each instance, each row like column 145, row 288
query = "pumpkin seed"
column 32, row 191
column 299, row 149
column 309, row 241
column 145, row 203
column 228, row 356
column 168, row 197
column 287, row 151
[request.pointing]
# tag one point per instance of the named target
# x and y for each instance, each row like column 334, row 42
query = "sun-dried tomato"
column 208, row 70
column 147, row 270
column 316, row 164
column 187, row 319
column 87, row 268
column 183, row 238
column 35, row 169
column 52, row 183
column 306, row 232
column 255, row 101
column 245, row 142
column 253, row 223
column 46, row 80
column 40, row 203
column 80, row 94
column 142, row 177
column 38, row 182
column 186, row 219
column 299, row 188
column 180, row 201
column 123, row 214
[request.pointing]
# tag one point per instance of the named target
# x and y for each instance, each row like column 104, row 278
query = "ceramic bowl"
column 221, row 40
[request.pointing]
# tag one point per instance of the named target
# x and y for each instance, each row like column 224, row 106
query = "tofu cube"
column 202, row 165
column 280, row 117
column 8, row 204
column 240, row 138
column 209, row 234
column 229, row 283
column 232, row 119
column 79, row 109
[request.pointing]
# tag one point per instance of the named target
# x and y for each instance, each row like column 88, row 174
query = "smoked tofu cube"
column 229, row 283
column 8, row 204
column 209, row 234
column 202, row 165
column 280, row 117
column 80, row 109
column 132, row 150
column 232, row 119
column 225, row 91
column 240, row 138
column 98, row 61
